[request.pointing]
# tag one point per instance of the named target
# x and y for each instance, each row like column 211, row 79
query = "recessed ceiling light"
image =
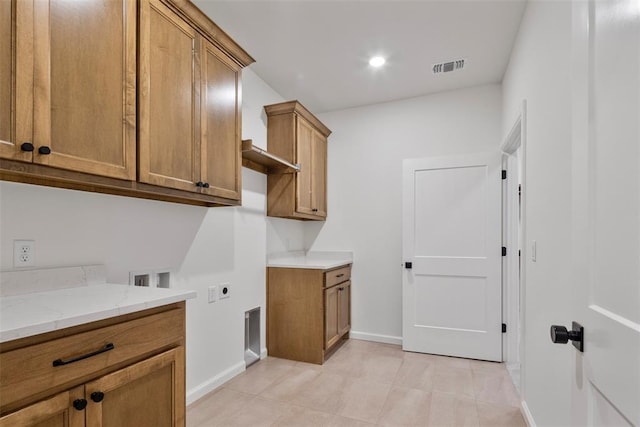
column 377, row 61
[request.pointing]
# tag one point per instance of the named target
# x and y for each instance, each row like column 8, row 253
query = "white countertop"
column 311, row 260
column 35, row 313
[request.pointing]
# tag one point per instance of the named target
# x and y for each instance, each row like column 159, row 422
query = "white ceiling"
column 317, row 51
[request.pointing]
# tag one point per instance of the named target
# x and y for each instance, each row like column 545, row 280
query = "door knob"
column 44, row 150
column 560, row 335
column 199, row 184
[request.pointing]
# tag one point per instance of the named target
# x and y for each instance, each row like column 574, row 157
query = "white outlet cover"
column 225, row 290
column 24, row 253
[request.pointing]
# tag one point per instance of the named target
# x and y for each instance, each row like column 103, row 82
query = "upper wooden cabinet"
column 168, row 143
column 16, row 79
column 297, row 136
column 137, row 98
column 189, row 130
column 80, row 65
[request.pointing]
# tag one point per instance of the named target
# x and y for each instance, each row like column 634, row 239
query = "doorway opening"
column 513, row 149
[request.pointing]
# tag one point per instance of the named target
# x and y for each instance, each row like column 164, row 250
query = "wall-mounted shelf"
column 264, row 162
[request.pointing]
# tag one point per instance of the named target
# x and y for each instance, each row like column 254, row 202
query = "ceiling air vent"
column 446, row 67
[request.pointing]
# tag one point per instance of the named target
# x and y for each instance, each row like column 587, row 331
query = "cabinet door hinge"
column 504, row 328
column 504, row 174
column 504, row 251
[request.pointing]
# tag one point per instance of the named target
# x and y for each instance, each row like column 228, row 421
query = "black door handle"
column 408, row 265
column 560, row 335
column 199, row 184
column 44, row 150
column 206, row 185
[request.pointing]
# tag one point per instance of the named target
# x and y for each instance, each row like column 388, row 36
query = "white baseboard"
column 213, row 383
column 386, row 339
column 263, row 353
column 527, row 414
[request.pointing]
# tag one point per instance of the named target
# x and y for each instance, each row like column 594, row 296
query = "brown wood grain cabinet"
column 135, row 98
column 75, row 63
column 308, row 312
column 297, row 136
column 189, row 129
column 140, row 381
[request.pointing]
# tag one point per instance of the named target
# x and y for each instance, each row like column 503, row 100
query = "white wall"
column 365, row 156
column 204, row 246
column 539, row 71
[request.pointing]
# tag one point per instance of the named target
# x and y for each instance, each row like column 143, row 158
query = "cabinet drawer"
column 30, row 372
column 339, row 275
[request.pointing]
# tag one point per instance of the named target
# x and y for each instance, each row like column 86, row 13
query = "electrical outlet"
column 225, row 290
column 213, row 293
column 24, row 253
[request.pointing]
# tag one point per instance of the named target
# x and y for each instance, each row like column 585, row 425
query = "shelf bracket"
column 262, row 161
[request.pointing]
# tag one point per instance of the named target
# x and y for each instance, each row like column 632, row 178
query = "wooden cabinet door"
column 304, row 148
column 147, row 394
column 319, row 174
column 56, row 411
column 344, row 308
column 85, row 86
column 168, row 143
column 331, row 300
column 16, row 79
column 220, row 124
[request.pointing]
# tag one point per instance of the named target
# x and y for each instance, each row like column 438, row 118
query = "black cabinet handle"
column 26, row 146
column 97, row 396
column 199, row 184
column 80, row 404
column 340, row 275
column 341, row 289
column 44, row 150
column 60, row 362
column 205, row 185
column 314, row 210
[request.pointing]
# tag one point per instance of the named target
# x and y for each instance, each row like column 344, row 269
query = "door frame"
column 514, row 293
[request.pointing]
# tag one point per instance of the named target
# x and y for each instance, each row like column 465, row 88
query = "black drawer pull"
column 44, row 150
column 107, row 347
column 340, row 275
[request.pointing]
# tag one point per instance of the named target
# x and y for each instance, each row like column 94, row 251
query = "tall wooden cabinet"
column 137, row 98
column 124, row 371
column 297, row 136
column 308, row 311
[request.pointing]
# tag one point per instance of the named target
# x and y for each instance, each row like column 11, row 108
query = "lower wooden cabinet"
column 308, row 312
column 126, row 371
column 337, row 312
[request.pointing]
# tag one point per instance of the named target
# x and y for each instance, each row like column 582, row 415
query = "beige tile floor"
column 364, row 384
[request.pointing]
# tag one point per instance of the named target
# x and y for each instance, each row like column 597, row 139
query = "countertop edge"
column 83, row 318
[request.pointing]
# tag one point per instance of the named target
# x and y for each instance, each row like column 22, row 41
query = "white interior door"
column 452, row 301
column 606, row 211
